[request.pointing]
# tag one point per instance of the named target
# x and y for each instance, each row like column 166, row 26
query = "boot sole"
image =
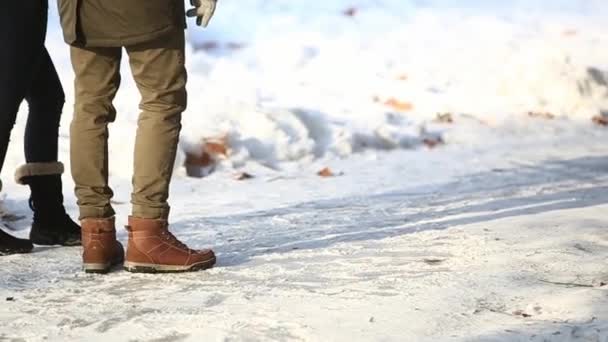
column 5, row 252
column 50, row 242
column 101, row 268
column 135, row 267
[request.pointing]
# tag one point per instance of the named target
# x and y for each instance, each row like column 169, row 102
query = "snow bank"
column 288, row 82
column 298, row 80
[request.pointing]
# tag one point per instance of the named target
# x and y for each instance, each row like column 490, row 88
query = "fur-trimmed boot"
column 51, row 225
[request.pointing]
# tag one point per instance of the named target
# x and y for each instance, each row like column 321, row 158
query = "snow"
column 498, row 235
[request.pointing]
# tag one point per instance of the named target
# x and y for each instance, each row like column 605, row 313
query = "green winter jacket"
column 112, row 23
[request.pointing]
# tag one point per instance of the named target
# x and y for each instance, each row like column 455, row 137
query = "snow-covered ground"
column 498, row 235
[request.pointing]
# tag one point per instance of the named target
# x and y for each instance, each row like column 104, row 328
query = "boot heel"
column 97, row 268
column 101, row 251
column 102, row 268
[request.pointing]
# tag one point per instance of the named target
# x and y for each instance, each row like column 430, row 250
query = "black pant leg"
column 45, row 98
column 22, row 33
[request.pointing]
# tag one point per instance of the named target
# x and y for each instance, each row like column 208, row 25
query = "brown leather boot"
column 153, row 249
column 101, row 250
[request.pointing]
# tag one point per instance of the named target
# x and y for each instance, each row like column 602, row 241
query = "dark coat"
column 112, row 23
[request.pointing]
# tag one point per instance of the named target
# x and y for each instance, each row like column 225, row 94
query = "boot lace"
column 170, row 238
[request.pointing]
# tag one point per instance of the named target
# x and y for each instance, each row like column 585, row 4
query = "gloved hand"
column 203, row 11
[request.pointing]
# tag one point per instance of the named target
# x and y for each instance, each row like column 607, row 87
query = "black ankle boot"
column 12, row 245
column 52, row 225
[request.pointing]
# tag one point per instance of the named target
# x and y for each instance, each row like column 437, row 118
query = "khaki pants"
column 160, row 75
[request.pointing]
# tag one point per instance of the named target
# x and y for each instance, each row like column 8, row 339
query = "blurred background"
column 286, row 82
column 278, row 85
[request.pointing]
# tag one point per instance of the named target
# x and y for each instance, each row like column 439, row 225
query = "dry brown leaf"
column 570, row 32
column 601, row 120
column 401, row 106
column 243, row 176
column 402, row 77
column 197, row 165
column 202, row 160
column 201, row 163
column 542, row 115
column 350, row 12
column 216, row 146
column 432, row 142
column 444, row 118
column 327, row 172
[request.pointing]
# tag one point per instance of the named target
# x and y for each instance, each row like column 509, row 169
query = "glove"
column 203, row 11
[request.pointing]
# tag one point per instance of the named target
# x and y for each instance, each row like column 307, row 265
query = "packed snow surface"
column 469, row 204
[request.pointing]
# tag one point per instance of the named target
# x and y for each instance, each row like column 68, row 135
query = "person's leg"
column 159, row 71
column 51, row 224
column 97, row 72
column 22, row 27
column 45, row 98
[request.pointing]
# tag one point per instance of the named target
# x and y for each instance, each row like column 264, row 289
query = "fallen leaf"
column 243, row 176
column 216, row 148
column 601, row 120
column 570, row 32
column 401, row 106
column 327, row 172
column 444, row 118
column 541, row 115
column 433, row 142
column 402, row 77
column 350, row 12
column 199, row 165
column 202, row 160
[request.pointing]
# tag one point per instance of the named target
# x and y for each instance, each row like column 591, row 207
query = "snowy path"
column 500, row 235
column 462, row 258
